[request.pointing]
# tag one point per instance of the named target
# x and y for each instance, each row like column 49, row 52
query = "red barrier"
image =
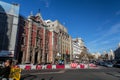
column 16, row 66
column 27, row 67
column 82, row 66
column 73, row 65
column 92, row 65
column 38, row 67
column 60, row 66
column 49, row 66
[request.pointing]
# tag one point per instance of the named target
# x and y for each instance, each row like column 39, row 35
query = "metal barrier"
column 38, row 67
column 82, row 66
column 74, row 65
column 28, row 67
column 49, row 66
column 67, row 66
column 60, row 66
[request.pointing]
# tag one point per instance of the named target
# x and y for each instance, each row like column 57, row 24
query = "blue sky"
column 96, row 21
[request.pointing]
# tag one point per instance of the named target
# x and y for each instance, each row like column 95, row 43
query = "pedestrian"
column 5, row 71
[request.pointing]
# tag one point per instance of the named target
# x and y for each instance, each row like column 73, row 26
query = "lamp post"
column 58, row 55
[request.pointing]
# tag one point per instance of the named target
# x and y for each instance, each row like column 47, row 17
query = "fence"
column 66, row 66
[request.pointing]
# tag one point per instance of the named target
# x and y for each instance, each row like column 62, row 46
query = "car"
column 116, row 64
column 101, row 63
column 108, row 64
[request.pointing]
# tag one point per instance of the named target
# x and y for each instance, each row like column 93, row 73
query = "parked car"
column 117, row 64
column 108, row 64
column 102, row 63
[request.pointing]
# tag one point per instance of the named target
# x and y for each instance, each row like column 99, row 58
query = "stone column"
column 27, row 57
column 38, row 57
column 23, row 58
column 28, row 43
column 33, row 56
column 43, row 52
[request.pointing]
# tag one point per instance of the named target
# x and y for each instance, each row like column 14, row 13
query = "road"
column 74, row 74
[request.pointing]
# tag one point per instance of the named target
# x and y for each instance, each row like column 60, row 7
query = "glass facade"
column 9, row 14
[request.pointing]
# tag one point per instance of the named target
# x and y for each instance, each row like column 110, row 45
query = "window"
column 52, row 25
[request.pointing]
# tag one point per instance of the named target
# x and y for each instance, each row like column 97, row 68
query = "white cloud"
column 46, row 2
column 105, row 42
column 113, row 30
column 107, row 37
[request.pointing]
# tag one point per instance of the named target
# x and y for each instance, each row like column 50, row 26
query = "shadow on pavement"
column 28, row 77
column 51, row 78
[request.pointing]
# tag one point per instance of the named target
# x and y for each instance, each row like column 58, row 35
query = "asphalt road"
column 74, row 74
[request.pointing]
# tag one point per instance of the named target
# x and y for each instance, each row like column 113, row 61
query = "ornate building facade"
column 34, row 40
column 78, row 48
column 62, row 41
column 40, row 43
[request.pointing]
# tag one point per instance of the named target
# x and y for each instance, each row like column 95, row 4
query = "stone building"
column 34, row 40
column 111, row 55
column 63, row 39
column 39, row 41
column 96, row 55
column 78, row 48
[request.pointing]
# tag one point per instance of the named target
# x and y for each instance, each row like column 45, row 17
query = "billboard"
column 6, row 54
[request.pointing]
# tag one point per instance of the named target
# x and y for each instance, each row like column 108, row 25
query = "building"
column 52, row 44
column 111, row 55
column 20, row 38
column 78, row 48
column 49, row 46
column 41, row 42
column 62, row 41
column 108, row 55
column 104, row 55
column 117, row 53
column 34, row 40
column 96, row 55
column 9, row 16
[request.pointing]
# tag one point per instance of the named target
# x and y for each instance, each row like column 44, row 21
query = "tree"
column 106, row 56
column 90, row 56
column 81, row 55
